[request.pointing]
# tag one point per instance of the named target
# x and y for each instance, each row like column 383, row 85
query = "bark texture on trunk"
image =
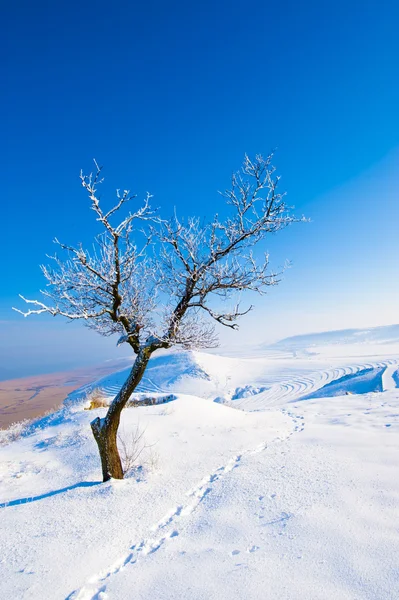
column 105, row 430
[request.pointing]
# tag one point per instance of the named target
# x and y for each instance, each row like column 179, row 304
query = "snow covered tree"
column 161, row 283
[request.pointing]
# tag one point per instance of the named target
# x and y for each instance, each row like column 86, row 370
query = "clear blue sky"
column 169, row 96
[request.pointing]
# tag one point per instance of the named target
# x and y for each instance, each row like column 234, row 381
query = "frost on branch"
column 111, row 287
column 157, row 283
column 204, row 266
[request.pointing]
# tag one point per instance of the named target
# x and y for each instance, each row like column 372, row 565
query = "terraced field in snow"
column 313, row 385
column 257, row 383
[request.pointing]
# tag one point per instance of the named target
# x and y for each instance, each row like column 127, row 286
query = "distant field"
column 31, row 397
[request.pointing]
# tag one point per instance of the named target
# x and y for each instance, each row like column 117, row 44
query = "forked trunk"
column 105, row 430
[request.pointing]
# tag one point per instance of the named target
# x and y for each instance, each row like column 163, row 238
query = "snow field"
column 61, row 525
column 300, row 517
column 293, row 496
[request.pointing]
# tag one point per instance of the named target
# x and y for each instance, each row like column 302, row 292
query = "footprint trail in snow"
column 167, row 528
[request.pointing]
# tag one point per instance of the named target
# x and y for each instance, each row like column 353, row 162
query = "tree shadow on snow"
column 82, row 484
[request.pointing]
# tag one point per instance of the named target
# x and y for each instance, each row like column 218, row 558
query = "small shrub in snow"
column 150, row 400
column 96, row 399
column 135, row 452
column 14, row 432
column 152, row 459
column 28, row 426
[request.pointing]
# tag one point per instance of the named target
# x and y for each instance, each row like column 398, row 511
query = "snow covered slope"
column 312, row 515
column 270, row 378
column 293, row 496
column 387, row 336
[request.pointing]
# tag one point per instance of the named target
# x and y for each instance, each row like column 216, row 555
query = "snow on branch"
column 201, row 262
column 110, row 288
column 158, row 283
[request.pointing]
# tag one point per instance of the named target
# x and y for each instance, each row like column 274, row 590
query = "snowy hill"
column 384, row 335
column 292, row 496
column 266, row 378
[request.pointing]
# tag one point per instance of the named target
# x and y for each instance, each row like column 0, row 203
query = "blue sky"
column 168, row 97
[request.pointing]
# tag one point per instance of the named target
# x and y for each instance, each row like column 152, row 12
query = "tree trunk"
column 105, row 430
column 106, row 439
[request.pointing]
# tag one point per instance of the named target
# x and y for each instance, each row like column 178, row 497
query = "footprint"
column 187, row 510
column 175, row 512
column 253, row 548
column 173, row 534
column 235, row 552
column 151, row 548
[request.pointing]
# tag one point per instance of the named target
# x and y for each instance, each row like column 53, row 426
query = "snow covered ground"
column 272, row 475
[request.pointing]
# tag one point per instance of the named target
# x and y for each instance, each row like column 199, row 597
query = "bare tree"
column 169, row 289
